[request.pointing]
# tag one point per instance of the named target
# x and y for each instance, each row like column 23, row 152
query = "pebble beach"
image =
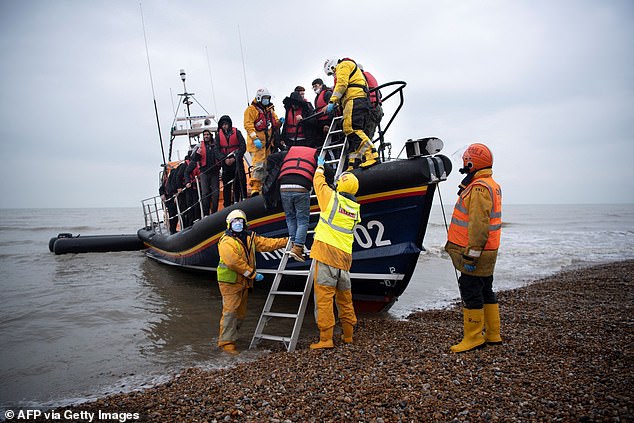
column 568, row 355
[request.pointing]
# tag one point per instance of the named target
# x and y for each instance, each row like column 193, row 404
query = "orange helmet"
column 476, row 157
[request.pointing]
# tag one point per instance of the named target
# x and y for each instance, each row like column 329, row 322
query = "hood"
column 224, row 119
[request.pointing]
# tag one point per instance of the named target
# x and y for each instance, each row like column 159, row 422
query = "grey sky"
column 547, row 85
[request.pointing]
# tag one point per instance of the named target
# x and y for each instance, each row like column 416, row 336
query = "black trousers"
column 476, row 290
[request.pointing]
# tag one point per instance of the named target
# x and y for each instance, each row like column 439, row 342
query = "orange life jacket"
column 301, row 161
column 228, row 145
column 459, row 228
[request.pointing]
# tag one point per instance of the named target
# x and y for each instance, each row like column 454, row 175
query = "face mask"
column 317, row 90
column 265, row 101
column 237, row 225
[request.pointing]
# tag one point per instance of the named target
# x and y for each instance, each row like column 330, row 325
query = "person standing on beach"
column 472, row 242
column 236, row 273
column 332, row 251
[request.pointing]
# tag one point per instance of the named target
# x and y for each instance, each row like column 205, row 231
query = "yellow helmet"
column 347, row 182
column 236, row 214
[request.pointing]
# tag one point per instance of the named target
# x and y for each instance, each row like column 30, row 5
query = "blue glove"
column 330, row 108
column 257, row 143
column 469, row 267
column 282, row 121
column 321, row 161
column 259, row 277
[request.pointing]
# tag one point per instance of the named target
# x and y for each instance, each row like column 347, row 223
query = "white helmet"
column 236, row 214
column 262, row 92
column 329, row 66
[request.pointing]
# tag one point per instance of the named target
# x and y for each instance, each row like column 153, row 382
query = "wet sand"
column 568, row 355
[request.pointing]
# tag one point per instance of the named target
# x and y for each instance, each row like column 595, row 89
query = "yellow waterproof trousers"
column 234, row 309
column 330, row 283
column 259, row 169
column 355, row 115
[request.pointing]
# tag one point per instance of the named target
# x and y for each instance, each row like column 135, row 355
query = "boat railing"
column 154, row 213
column 396, row 89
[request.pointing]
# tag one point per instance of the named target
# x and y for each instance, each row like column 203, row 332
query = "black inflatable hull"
column 395, row 198
column 66, row 243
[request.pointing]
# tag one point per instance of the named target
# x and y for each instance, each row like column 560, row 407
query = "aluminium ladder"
column 338, row 156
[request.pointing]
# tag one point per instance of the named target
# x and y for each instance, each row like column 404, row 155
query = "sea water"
column 81, row 326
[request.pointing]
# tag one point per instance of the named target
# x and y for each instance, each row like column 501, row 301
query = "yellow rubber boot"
column 348, row 329
column 492, row 324
column 230, row 349
column 473, row 326
column 325, row 340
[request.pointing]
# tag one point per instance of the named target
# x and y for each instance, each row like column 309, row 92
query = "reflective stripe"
column 461, row 208
column 336, row 223
column 455, row 221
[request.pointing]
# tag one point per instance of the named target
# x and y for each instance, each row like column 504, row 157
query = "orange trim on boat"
column 371, row 198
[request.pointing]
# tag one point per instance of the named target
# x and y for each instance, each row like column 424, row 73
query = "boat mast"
column 186, row 95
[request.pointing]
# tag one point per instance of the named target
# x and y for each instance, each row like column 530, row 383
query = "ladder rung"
column 284, row 339
column 298, row 293
column 275, row 314
column 332, row 146
column 294, row 272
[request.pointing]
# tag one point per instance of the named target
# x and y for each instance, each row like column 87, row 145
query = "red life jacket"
column 202, row 150
column 375, row 96
column 301, row 161
column 228, row 145
column 320, row 103
column 293, row 129
column 263, row 119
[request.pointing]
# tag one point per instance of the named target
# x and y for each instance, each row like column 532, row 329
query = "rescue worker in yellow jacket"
column 473, row 242
column 262, row 125
column 236, row 273
column 332, row 251
column 351, row 91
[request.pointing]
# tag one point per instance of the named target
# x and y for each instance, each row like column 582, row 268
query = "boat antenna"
column 244, row 72
column 213, row 91
column 147, row 53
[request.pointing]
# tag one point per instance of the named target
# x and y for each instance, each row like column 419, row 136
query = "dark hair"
column 299, row 88
column 207, row 131
column 318, row 81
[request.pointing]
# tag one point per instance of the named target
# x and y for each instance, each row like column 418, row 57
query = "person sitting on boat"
column 296, row 177
column 297, row 108
column 376, row 108
column 351, row 90
column 332, row 250
column 230, row 140
column 322, row 97
column 204, row 157
column 262, row 126
column 236, row 273
column 472, row 242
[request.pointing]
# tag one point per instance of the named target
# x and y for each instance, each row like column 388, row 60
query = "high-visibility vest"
column 459, row 228
column 225, row 273
column 337, row 222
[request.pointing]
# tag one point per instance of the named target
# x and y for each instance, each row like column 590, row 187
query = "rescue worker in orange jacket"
column 236, row 273
column 332, row 251
column 351, row 90
column 473, row 242
column 262, row 125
